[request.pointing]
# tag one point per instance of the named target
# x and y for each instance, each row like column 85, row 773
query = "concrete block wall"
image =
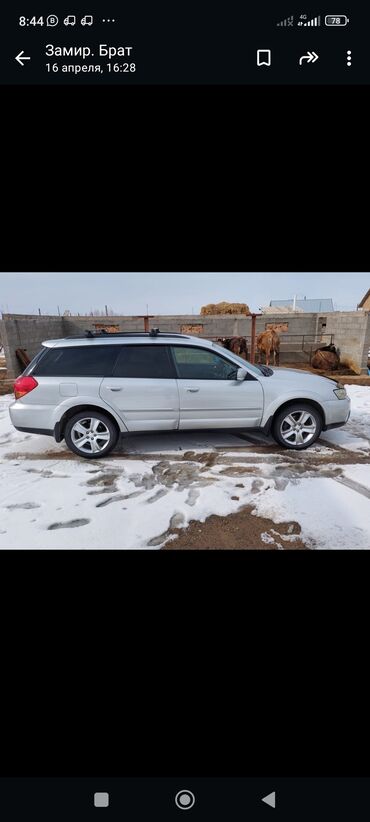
column 77, row 325
column 222, row 325
column 367, row 343
column 352, row 336
column 351, row 331
column 28, row 332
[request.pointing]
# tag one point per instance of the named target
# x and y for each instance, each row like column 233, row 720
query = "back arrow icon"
column 20, row 57
column 311, row 57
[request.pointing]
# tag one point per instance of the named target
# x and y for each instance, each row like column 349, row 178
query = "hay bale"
column 225, row 308
column 349, row 363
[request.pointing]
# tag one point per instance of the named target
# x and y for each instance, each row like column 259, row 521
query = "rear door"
column 143, row 388
column 210, row 395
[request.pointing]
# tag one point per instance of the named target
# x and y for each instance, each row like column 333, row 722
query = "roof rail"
column 155, row 332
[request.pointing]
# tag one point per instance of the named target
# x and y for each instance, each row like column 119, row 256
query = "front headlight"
column 341, row 393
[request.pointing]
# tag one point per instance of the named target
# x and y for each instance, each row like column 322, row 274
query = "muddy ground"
column 241, row 530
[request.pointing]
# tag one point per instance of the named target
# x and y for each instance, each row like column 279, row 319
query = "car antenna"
column 88, row 332
column 154, row 332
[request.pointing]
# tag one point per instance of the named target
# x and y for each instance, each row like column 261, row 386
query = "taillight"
column 23, row 386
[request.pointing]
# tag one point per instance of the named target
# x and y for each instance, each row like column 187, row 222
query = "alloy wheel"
column 298, row 428
column 90, row 435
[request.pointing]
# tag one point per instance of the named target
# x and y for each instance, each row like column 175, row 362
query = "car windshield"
column 253, row 368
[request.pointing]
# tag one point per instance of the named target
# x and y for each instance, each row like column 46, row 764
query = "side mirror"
column 241, row 374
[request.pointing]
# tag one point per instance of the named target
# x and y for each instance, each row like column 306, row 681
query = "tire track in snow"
column 355, row 486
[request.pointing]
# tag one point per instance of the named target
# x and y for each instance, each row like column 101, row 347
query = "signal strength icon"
column 315, row 21
column 288, row 21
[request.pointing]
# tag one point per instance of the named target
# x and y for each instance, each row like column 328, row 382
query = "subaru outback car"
column 91, row 390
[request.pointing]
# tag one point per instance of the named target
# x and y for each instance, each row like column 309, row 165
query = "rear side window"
column 145, row 361
column 31, row 365
column 79, row 361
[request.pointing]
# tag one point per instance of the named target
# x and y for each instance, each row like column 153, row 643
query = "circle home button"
column 184, row 800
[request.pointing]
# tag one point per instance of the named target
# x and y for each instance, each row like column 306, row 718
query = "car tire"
column 301, row 414
column 100, row 438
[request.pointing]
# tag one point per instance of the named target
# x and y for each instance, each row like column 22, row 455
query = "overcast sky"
column 170, row 293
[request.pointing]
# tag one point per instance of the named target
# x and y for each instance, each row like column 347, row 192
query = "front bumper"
column 337, row 413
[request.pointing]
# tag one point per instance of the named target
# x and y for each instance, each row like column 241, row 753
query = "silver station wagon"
column 92, row 389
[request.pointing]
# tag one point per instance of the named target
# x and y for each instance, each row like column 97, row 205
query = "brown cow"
column 326, row 358
column 269, row 342
column 238, row 345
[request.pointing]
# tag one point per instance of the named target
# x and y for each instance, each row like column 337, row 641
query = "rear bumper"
column 46, row 431
column 26, row 416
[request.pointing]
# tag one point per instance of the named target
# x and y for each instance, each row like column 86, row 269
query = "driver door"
column 209, row 393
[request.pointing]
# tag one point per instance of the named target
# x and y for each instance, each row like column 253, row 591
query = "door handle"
column 111, row 388
column 192, row 390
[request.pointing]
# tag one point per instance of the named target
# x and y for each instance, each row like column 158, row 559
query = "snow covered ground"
column 51, row 499
column 355, row 435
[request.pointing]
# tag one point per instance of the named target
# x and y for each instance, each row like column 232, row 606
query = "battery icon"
column 336, row 20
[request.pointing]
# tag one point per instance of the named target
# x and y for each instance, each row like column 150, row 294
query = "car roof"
column 132, row 338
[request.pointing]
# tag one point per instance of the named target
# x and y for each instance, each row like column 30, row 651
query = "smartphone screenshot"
column 170, row 420
column 146, row 43
column 184, row 411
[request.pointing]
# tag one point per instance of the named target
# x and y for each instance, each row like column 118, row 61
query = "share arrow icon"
column 20, row 57
column 311, row 57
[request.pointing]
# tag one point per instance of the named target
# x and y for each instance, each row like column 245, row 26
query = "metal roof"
column 314, row 306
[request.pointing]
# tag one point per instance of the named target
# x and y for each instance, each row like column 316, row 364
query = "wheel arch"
column 59, row 427
column 268, row 425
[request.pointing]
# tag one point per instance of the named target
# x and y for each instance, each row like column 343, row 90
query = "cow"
column 269, row 342
column 326, row 358
column 237, row 345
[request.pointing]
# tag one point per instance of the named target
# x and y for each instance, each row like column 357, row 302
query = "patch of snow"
column 355, row 434
column 265, row 537
column 76, row 510
column 346, row 439
column 331, row 515
column 358, row 473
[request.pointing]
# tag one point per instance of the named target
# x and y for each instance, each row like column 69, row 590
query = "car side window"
column 32, row 365
column 201, row 364
column 146, row 361
column 77, row 361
